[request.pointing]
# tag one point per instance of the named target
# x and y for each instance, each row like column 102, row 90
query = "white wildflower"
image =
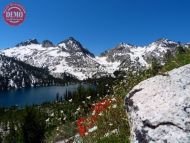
column 125, row 119
column 77, row 135
column 115, row 131
column 92, row 129
column 70, row 100
column 106, row 135
column 88, row 97
column 94, row 112
column 78, row 109
column 114, row 106
column 47, row 120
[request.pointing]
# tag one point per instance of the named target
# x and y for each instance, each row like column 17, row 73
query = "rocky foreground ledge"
column 159, row 108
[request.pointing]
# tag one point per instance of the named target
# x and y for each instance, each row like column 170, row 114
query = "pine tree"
column 167, row 56
column 13, row 136
column 1, row 140
column 33, row 126
column 155, row 66
column 57, row 97
column 180, row 50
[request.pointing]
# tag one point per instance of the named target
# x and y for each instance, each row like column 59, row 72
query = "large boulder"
column 159, row 108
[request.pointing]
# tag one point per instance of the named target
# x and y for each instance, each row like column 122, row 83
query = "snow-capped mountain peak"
column 47, row 44
column 27, row 42
column 69, row 56
column 163, row 42
column 71, row 40
column 138, row 57
column 73, row 46
column 126, row 45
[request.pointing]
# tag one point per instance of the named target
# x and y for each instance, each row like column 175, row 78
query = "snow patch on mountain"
column 110, row 67
column 69, row 56
column 17, row 74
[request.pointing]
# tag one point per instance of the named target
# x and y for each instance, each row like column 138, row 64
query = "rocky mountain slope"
column 159, row 108
column 67, row 57
column 140, row 57
column 70, row 57
column 17, row 74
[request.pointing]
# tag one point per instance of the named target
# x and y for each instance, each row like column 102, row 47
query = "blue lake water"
column 30, row 96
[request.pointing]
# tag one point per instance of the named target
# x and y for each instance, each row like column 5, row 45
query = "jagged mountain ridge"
column 17, row 74
column 138, row 58
column 69, row 56
column 66, row 57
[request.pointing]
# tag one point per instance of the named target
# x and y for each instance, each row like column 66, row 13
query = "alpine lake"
column 35, row 95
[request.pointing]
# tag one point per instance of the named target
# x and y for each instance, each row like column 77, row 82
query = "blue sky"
column 99, row 24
